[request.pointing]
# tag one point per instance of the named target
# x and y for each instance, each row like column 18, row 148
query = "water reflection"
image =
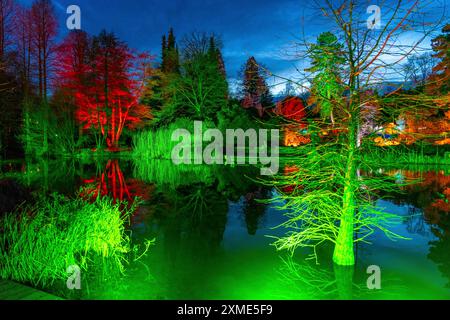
column 190, row 221
column 306, row 280
column 440, row 250
column 112, row 182
column 431, row 192
column 429, row 212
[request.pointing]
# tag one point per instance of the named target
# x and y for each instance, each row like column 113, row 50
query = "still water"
column 213, row 236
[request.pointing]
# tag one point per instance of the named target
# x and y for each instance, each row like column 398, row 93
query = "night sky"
column 262, row 28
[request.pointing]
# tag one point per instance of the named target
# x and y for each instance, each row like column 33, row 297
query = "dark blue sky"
column 261, row 28
column 265, row 29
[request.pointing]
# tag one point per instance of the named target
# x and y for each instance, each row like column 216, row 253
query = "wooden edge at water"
column 13, row 291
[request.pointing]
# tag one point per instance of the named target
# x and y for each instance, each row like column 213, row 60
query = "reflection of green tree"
column 317, row 282
column 237, row 181
column 254, row 209
column 167, row 175
column 192, row 221
column 198, row 211
column 440, row 249
column 308, row 280
column 415, row 222
column 58, row 175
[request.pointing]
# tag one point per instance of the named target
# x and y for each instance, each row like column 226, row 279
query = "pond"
column 213, row 235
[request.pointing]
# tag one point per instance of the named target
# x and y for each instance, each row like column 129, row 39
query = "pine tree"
column 106, row 80
column 203, row 87
column 171, row 40
column 170, row 55
column 255, row 90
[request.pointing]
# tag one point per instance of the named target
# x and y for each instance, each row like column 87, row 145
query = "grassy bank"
column 157, row 143
column 405, row 156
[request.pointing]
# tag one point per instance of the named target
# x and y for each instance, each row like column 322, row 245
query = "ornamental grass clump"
column 39, row 242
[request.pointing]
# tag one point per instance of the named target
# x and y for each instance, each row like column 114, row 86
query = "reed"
column 39, row 242
column 166, row 174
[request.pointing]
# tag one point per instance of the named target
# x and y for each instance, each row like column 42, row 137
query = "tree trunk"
column 344, row 252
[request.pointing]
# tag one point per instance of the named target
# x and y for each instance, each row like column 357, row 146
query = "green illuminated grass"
column 39, row 242
column 403, row 155
column 157, row 144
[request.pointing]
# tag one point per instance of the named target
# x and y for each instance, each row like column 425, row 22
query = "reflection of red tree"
column 437, row 184
column 113, row 183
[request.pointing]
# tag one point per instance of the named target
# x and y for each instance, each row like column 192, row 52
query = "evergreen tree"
column 203, row 85
column 216, row 55
column 327, row 60
column 170, row 55
column 159, row 86
column 255, row 90
column 439, row 82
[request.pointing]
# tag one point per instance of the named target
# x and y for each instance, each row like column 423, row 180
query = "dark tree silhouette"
column 255, row 90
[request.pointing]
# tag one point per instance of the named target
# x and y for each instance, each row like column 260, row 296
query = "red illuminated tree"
column 292, row 108
column 73, row 66
column 106, row 80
